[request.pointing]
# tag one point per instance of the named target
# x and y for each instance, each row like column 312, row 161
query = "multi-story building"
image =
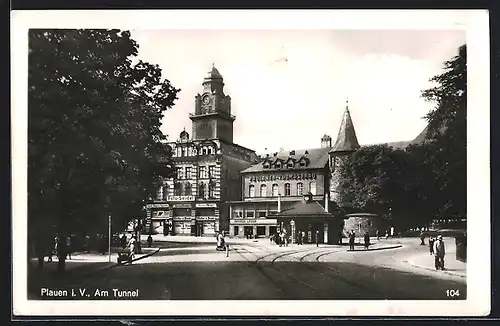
column 275, row 184
column 208, row 167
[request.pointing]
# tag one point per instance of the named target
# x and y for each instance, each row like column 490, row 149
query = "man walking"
column 439, row 252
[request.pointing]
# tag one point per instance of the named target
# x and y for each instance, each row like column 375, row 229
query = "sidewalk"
column 452, row 266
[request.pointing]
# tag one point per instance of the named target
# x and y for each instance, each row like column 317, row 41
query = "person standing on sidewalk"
column 367, row 240
column 352, row 238
column 431, row 245
column 439, row 252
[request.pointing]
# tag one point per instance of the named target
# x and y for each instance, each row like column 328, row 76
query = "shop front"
column 311, row 222
column 251, row 228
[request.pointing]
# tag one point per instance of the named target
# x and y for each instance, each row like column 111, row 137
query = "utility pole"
column 109, row 238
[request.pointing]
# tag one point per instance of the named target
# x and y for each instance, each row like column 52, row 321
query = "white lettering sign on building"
column 208, row 205
column 180, row 198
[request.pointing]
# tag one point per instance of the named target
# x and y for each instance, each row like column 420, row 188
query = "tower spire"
column 346, row 139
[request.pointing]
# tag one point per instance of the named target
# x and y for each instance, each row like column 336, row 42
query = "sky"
column 292, row 103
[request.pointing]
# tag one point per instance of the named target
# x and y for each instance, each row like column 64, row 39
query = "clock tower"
column 212, row 117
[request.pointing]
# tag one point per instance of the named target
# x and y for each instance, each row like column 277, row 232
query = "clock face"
column 206, row 99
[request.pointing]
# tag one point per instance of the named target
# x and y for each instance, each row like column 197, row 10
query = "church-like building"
column 208, row 165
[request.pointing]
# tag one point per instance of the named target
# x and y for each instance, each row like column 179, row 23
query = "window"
column 211, row 171
column 187, row 189
column 262, row 214
column 188, row 172
column 180, row 173
column 159, row 194
column 312, row 188
column 302, row 164
column 250, row 214
column 237, row 214
column 184, row 151
column 263, row 190
column 203, row 172
column 251, row 191
column 300, row 189
column 278, row 165
column 165, row 192
column 236, row 230
column 275, row 190
column 177, row 189
column 201, row 190
column 287, row 189
column 290, row 164
column 266, row 165
column 211, row 189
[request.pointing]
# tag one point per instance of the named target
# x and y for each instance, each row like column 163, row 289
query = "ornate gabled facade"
column 207, row 169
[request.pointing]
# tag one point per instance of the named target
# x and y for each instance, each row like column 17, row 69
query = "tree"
column 95, row 145
column 447, row 133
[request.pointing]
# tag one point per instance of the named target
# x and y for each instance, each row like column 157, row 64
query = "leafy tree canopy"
column 95, row 145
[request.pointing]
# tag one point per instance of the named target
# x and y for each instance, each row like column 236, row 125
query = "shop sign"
column 181, row 205
column 202, row 205
column 205, row 218
column 286, row 176
column 180, row 198
column 157, row 206
column 182, row 218
column 254, row 221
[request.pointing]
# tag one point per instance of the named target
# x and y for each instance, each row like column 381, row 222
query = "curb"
column 412, row 263
column 116, row 264
column 377, row 249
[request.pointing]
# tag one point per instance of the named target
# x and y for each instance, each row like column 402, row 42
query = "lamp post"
column 109, row 238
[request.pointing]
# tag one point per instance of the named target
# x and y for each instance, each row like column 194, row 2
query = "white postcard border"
column 475, row 22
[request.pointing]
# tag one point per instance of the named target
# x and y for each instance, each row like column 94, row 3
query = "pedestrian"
column 392, row 231
column 352, row 237
column 131, row 246
column 301, row 238
column 386, row 235
column 431, row 245
column 150, row 241
column 68, row 246
column 378, row 234
column 422, row 238
column 123, row 241
column 317, row 238
column 367, row 240
column 439, row 252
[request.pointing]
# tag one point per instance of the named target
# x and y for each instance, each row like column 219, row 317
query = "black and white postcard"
column 266, row 163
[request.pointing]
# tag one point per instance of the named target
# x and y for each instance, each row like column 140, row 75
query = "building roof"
column 214, row 73
column 346, row 139
column 317, row 159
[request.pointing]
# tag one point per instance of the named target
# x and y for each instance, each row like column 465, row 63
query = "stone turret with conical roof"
column 345, row 145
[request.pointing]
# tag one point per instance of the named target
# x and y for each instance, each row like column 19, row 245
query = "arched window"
column 201, row 190
column 275, row 190
column 312, row 188
column 177, row 189
column 263, row 190
column 287, row 189
column 187, row 189
column 251, row 191
column 184, row 151
column 212, row 150
column 165, row 192
column 300, row 189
